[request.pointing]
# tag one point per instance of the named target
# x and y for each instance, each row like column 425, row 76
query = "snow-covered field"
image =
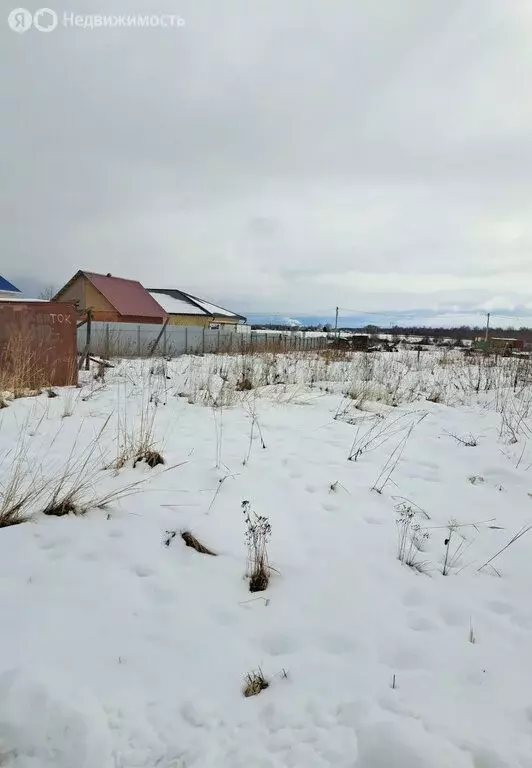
column 123, row 648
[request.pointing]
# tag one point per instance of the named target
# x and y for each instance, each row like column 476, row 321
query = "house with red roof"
column 111, row 299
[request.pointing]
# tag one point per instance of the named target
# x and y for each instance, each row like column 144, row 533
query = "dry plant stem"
column 394, row 459
column 525, row 529
column 217, row 414
column 221, row 481
column 192, row 541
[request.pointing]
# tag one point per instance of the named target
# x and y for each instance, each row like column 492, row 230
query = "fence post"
column 164, row 341
column 186, row 339
column 203, row 341
column 88, row 344
column 107, row 342
column 138, row 340
column 219, row 329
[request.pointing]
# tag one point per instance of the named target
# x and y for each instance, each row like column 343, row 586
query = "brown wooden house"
column 111, row 299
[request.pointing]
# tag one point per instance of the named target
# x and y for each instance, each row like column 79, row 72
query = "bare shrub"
column 258, row 532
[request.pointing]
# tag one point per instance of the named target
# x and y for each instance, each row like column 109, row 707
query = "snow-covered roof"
column 213, row 309
column 175, row 306
column 177, row 302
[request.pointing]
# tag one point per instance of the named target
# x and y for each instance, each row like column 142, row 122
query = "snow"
column 121, row 652
column 213, row 309
column 175, row 306
column 9, row 297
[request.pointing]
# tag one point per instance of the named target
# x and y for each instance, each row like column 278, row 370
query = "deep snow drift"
column 119, row 650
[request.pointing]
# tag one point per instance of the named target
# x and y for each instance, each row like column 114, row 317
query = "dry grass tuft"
column 21, row 488
column 192, row 541
column 255, row 683
column 135, row 437
column 21, row 370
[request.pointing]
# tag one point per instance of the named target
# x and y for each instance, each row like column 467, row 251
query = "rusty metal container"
column 38, row 344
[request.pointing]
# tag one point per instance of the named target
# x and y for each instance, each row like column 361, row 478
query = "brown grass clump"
column 61, row 507
column 152, row 458
column 244, row 384
column 259, row 579
column 255, row 683
column 192, row 541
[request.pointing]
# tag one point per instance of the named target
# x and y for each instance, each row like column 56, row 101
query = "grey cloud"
column 276, row 156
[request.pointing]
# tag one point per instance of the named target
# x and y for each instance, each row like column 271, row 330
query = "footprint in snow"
column 420, row 623
column 142, row 571
column 337, row 645
column 501, row 608
column 279, row 644
column 454, row 616
column 406, row 659
column 414, row 597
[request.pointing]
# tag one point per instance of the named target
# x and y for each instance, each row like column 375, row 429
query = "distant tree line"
column 457, row 333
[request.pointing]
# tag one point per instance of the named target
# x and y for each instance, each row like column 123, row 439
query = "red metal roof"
column 128, row 297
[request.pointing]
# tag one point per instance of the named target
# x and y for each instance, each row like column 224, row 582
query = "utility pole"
column 336, row 323
column 487, row 327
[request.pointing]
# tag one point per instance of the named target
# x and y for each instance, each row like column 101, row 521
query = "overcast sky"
column 280, row 156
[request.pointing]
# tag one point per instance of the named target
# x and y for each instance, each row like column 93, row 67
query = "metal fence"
column 131, row 340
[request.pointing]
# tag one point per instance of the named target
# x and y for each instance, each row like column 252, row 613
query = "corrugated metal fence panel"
column 131, row 340
column 41, row 338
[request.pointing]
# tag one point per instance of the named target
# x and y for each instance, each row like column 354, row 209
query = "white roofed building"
column 185, row 309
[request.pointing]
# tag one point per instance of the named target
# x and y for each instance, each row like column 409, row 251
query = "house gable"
column 7, row 287
column 111, row 298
